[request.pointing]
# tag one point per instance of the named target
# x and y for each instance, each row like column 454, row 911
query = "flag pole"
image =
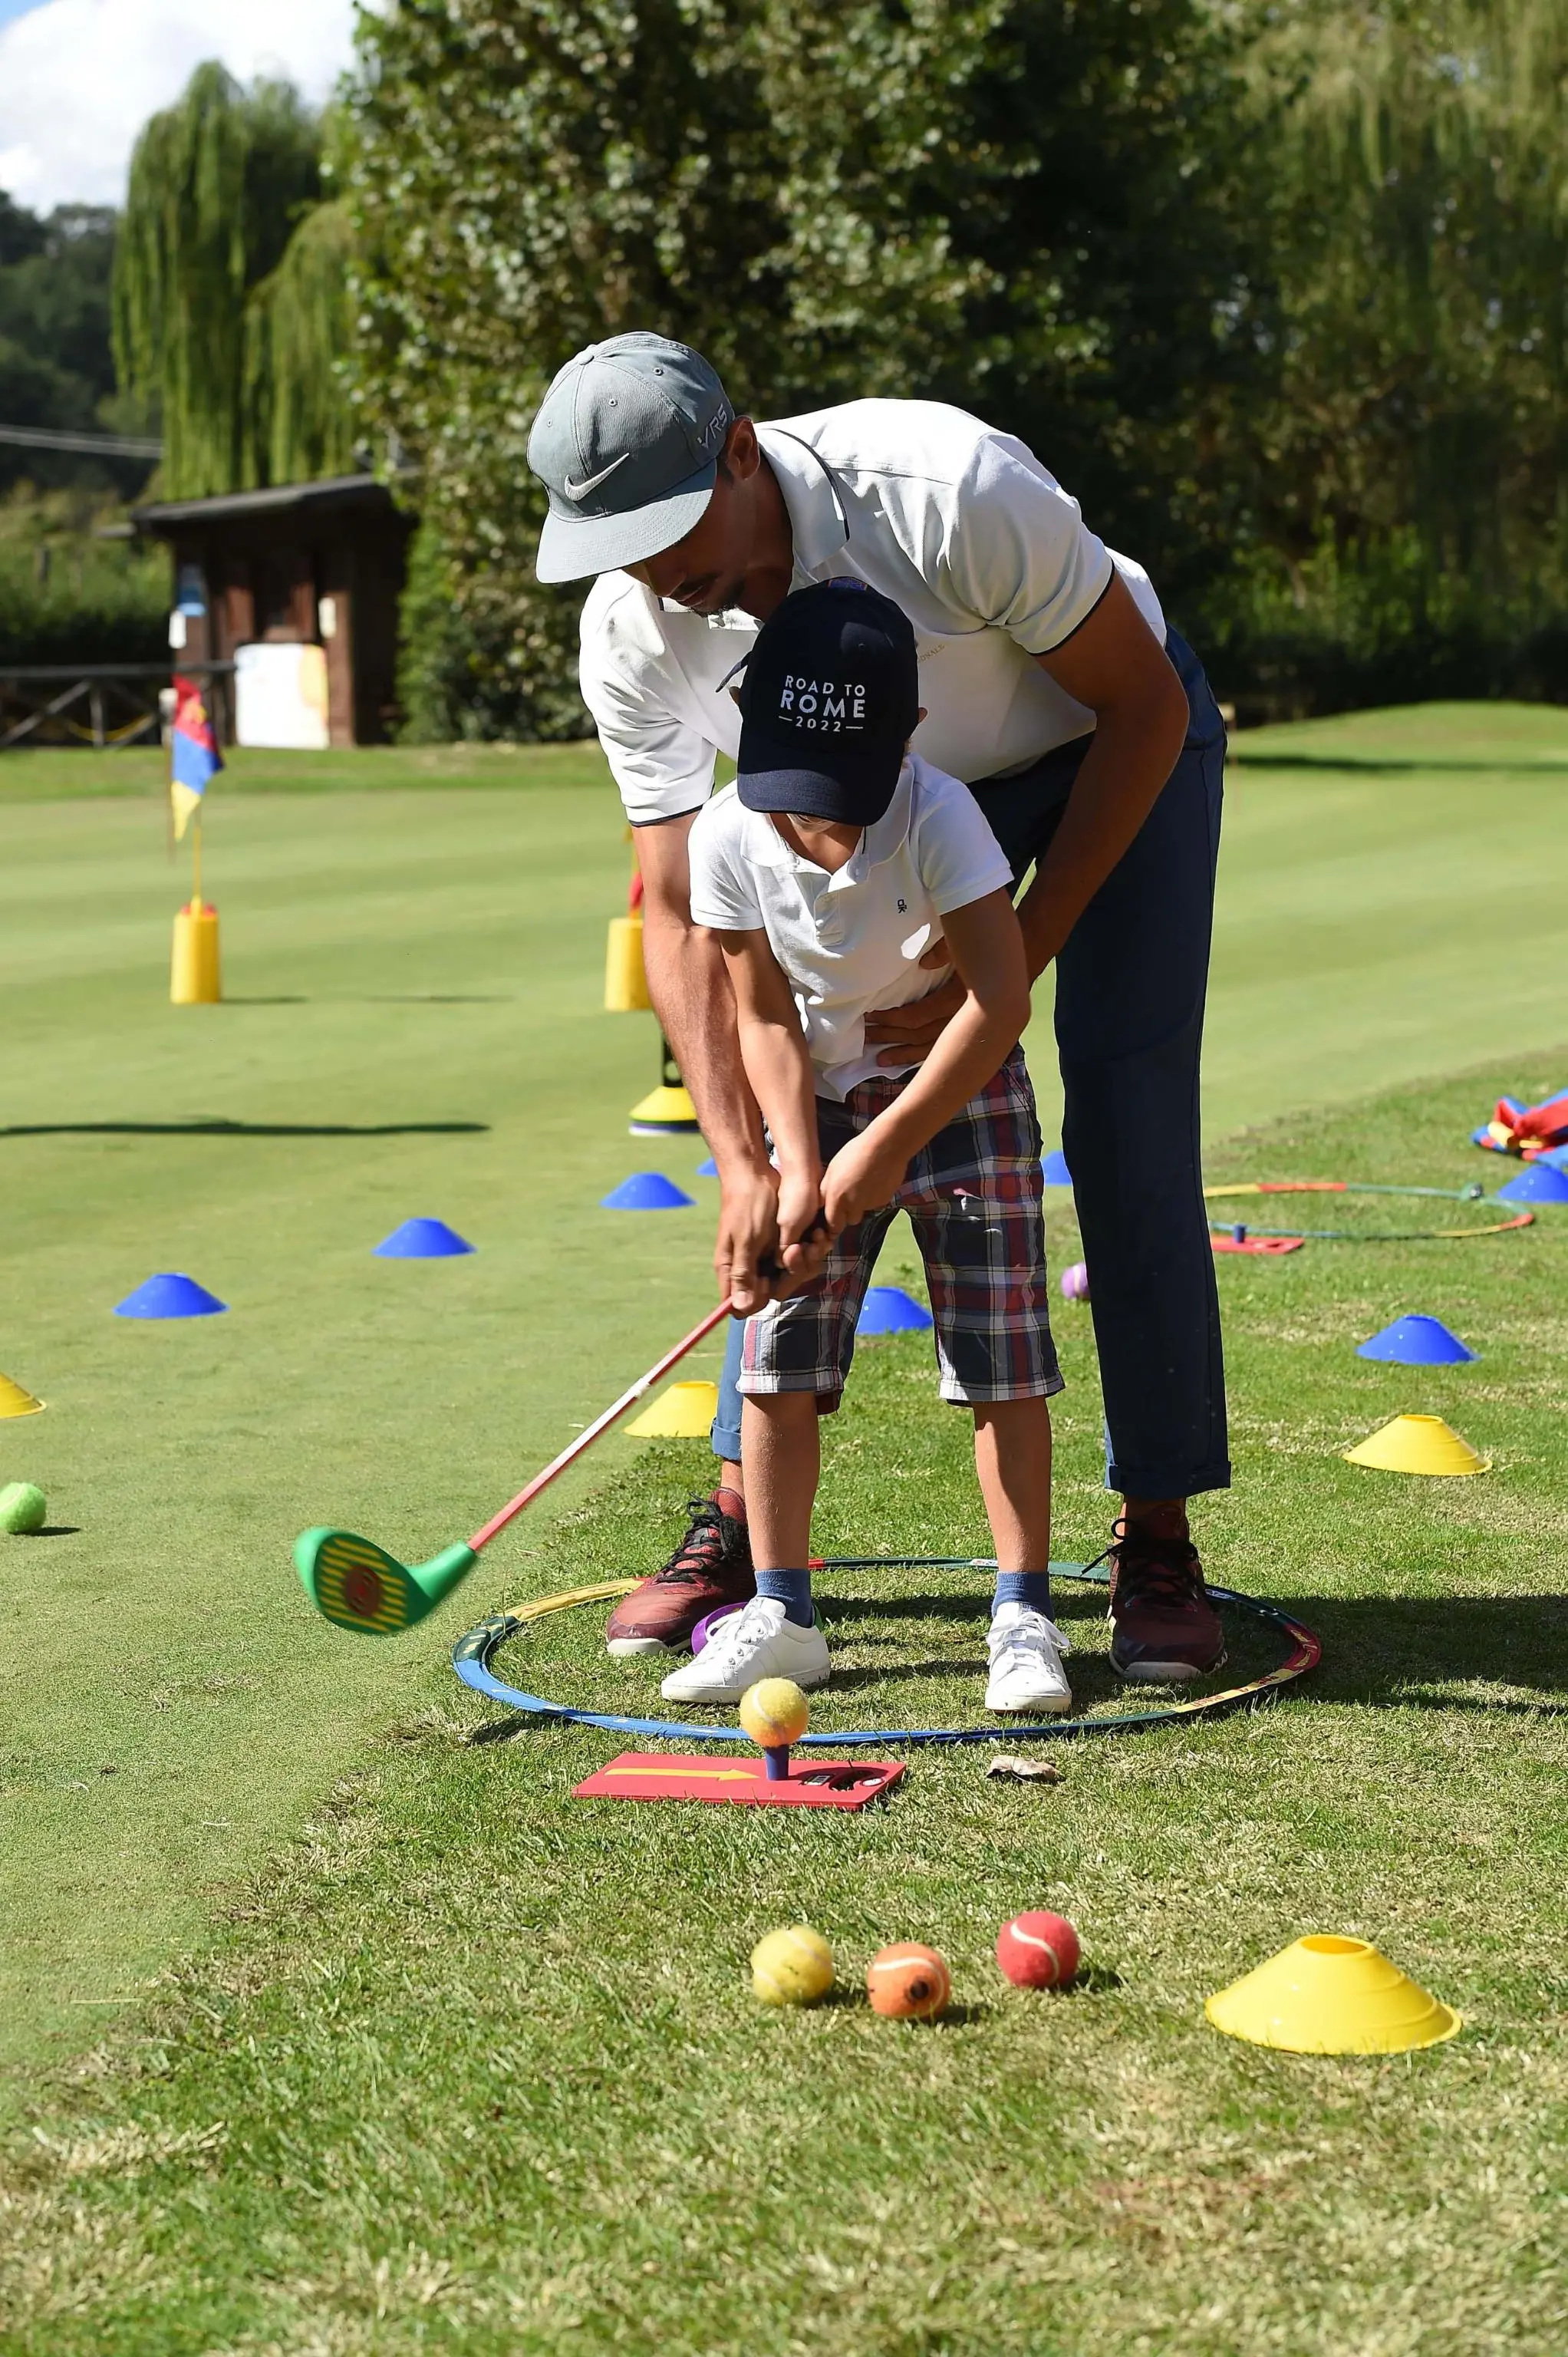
column 196, row 856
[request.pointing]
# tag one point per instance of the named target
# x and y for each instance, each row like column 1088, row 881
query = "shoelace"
column 1028, row 1635
column 1168, row 1570
column 704, row 1539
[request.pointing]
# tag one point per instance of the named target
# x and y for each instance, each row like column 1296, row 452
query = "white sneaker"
column 1026, row 1662
column 757, row 1643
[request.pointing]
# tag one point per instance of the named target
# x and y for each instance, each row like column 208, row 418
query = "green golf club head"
column 357, row 1584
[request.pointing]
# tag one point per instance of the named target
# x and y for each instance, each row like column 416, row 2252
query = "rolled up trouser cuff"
column 725, row 1433
column 1164, row 1482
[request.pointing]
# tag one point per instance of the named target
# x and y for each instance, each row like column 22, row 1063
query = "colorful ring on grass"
column 472, row 1655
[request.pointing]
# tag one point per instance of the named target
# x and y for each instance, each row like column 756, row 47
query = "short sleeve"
column 723, row 893
column 1018, row 554
column 956, row 856
column 662, row 766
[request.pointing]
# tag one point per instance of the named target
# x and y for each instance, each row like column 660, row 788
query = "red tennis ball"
column 1037, row 1950
column 908, row 1982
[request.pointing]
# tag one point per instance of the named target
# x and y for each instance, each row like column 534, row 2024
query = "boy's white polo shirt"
column 851, row 940
column 959, row 525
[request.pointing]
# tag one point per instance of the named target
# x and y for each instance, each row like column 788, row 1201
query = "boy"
column 828, row 872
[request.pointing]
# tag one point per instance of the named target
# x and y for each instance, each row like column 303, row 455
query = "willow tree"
column 211, row 300
column 299, row 325
column 1421, row 249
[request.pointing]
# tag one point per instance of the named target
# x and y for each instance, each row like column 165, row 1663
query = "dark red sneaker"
column 1164, row 1628
column 711, row 1567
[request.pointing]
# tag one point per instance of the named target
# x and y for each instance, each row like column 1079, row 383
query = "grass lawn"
column 413, row 1026
column 473, row 2065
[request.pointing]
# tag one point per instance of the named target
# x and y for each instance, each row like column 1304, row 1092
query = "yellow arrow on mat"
column 714, row 1775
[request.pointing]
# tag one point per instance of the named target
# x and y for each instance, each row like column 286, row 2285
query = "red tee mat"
column 811, row 1783
column 1224, row 1243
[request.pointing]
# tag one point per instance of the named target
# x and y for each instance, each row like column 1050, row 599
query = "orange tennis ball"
column 908, row 1982
column 774, row 1711
column 1038, row 1950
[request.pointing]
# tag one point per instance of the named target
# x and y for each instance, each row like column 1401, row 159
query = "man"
column 1087, row 733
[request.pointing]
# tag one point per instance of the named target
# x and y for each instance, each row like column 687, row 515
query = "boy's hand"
column 803, row 1236
column 861, row 1177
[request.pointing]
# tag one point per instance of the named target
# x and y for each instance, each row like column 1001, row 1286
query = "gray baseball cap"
column 626, row 442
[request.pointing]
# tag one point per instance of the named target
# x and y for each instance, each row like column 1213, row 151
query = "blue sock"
column 1031, row 1587
column 793, row 1590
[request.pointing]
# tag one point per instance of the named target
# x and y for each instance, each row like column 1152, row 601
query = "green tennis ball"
column 22, row 1508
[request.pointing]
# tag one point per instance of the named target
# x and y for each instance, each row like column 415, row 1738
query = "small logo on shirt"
column 830, row 706
column 903, row 907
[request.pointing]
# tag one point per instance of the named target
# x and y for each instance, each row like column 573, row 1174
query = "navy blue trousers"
column 1131, row 985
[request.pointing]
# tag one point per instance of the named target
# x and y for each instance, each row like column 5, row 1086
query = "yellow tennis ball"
column 774, row 1711
column 794, row 1966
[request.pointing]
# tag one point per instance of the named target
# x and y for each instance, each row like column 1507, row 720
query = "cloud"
column 78, row 78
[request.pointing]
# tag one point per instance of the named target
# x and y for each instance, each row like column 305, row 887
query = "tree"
column 1012, row 203
column 231, row 306
column 55, row 368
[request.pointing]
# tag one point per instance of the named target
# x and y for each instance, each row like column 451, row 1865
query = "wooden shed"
column 305, row 564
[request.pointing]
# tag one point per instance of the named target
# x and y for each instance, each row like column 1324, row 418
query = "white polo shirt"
column 960, row 525
column 851, row 940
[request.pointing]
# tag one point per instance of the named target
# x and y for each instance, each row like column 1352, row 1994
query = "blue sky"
column 78, row 78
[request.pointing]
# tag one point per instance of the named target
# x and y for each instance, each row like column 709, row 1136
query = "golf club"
column 357, row 1584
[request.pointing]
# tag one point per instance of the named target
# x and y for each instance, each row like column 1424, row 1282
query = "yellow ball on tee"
column 774, row 1711
column 792, row 1967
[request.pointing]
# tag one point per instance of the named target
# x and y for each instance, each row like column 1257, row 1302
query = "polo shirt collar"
column 818, row 524
column 766, row 847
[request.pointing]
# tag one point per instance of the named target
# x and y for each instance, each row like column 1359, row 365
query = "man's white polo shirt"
column 961, row 526
column 852, row 941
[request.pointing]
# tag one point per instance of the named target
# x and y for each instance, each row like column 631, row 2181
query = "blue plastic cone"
column 1415, row 1341
column 170, row 1296
column 646, row 1190
column 422, row 1240
column 888, row 1310
column 1539, row 1183
column 708, row 1169
column 1054, row 1165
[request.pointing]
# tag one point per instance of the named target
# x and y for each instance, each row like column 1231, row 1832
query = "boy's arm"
column 773, row 1051
column 987, row 949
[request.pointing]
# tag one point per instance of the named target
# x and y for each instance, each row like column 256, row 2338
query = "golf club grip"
column 772, row 1268
column 601, row 1424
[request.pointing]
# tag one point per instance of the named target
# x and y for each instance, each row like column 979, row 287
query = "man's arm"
column 773, row 1049
column 987, row 951
column 1117, row 667
column 1114, row 665
column 692, row 997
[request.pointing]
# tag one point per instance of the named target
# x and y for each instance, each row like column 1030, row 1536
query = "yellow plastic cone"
column 662, row 1113
column 15, row 1401
column 626, row 977
column 194, row 976
column 1324, row 1995
column 1418, row 1444
column 685, row 1412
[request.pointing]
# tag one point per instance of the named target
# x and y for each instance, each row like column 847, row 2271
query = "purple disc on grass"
column 709, row 1622
column 1075, row 1281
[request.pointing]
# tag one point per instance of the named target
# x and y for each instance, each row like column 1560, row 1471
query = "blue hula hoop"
column 473, row 1653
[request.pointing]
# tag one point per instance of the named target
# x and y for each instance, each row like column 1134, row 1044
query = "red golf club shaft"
column 586, row 1439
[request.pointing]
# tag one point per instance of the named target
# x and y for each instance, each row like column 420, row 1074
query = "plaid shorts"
column 974, row 1196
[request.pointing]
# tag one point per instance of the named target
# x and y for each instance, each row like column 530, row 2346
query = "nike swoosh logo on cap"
column 591, row 482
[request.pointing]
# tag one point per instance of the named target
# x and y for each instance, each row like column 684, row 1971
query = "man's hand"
column 908, row 1034
column 861, row 1177
column 749, row 1234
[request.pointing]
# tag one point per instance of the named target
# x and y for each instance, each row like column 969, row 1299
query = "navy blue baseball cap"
column 829, row 699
